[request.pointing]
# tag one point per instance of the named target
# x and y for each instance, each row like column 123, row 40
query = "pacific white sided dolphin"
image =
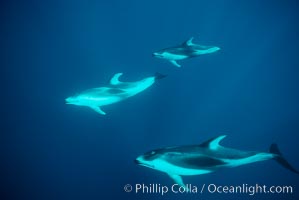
column 204, row 158
column 116, row 91
column 186, row 50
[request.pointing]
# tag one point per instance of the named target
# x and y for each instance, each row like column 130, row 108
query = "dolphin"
column 186, row 50
column 116, row 91
column 204, row 158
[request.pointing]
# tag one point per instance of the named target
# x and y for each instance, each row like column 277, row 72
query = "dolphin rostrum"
column 116, row 91
column 204, row 158
column 186, row 50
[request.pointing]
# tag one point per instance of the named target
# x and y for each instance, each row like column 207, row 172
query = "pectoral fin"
column 98, row 110
column 175, row 63
column 178, row 180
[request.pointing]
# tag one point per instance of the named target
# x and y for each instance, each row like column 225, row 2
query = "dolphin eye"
column 153, row 152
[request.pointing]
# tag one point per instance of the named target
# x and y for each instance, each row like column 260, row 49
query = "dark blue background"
column 53, row 49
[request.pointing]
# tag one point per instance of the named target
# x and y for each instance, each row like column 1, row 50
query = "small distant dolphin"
column 186, row 50
column 204, row 158
column 116, row 91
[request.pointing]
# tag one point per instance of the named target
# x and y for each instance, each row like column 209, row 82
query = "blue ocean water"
column 54, row 49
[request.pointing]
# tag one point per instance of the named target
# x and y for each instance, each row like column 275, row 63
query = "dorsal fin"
column 213, row 143
column 188, row 42
column 115, row 79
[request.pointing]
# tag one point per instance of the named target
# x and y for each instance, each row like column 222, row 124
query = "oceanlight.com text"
column 155, row 188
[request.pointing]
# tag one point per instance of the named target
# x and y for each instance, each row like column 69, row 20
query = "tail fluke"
column 159, row 76
column 280, row 159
